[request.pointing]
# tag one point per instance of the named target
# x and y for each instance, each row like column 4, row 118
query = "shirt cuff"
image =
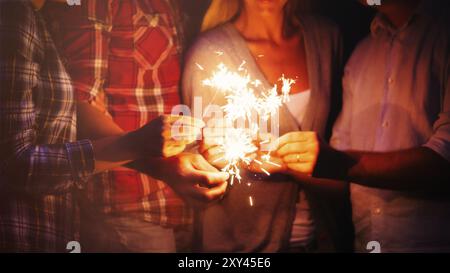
column 81, row 159
column 439, row 146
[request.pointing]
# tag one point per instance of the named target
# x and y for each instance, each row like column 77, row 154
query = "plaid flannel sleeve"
column 85, row 33
column 24, row 164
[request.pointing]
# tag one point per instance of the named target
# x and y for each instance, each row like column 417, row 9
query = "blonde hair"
column 223, row 11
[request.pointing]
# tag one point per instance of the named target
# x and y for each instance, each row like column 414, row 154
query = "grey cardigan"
column 231, row 225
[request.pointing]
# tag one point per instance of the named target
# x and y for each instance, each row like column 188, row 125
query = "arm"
column 25, row 164
column 424, row 168
column 417, row 169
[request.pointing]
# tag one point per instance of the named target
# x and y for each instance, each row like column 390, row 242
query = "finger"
column 302, row 168
column 185, row 120
column 218, row 123
column 217, row 161
column 213, row 141
column 201, row 164
column 182, row 133
column 209, row 179
column 203, row 147
column 214, row 152
column 209, row 195
column 172, row 150
column 296, row 137
column 293, row 148
column 298, row 158
column 213, row 136
column 266, row 168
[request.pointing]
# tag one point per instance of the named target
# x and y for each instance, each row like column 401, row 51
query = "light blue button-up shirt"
column 397, row 96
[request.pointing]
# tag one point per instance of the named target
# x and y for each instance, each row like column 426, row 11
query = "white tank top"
column 297, row 105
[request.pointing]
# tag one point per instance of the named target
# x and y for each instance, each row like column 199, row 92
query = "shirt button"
column 390, row 80
column 377, row 211
column 385, row 124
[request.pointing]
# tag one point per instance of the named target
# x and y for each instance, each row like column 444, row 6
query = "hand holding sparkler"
column 266, row 161
column 299, row 151
column 190, row 176
column 227, row 147
column 213, row 135
column 165, row 136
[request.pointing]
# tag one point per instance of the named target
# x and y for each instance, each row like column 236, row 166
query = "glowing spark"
column 242, row 102
column 250, row 199
column 264, row 142
column 286, row 88
column 265, row 171
column 237, row 145
column 260, row 56
column 257, row 161
column 241, row 67
column 266, row 157
column 273, row 163
column 199, row 66
column 256, row 83
column 217, row 159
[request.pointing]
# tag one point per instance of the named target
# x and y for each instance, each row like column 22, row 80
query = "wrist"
column 334, row 164
column 131, row 143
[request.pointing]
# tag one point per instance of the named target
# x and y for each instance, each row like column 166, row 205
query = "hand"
column 265, row 160
column 191, row 177
column 299, row 151
column 263, row 164
column 210, row 146
column 166, row 135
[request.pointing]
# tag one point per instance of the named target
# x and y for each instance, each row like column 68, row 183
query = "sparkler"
column 242, row 101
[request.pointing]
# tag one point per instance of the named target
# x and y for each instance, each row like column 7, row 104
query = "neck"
column 255, row 26
column 38, row 4
column 399, row 12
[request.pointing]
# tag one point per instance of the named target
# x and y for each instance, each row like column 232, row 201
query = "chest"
column 278, row 60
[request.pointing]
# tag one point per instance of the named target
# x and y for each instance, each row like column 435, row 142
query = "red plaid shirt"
column 124, row 56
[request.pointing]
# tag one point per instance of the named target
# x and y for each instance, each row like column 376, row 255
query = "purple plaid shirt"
column 41, row 164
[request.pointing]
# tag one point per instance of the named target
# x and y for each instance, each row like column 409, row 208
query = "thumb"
column 210, row 179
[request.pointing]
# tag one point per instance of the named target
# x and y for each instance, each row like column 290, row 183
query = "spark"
column 286, row 87
column 242, row 101
column 237, row 145
column 199, row 66
column 241, row 67
column 264, row 142
column 257, row 161
column 266, row 157
column 250, row 199
column 273, row 163
column 265, row 171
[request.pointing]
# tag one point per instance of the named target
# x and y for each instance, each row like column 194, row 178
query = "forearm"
column 112, row 146
column 149, row 166
column 325, row 187
column 418, row 169
column 48, row 169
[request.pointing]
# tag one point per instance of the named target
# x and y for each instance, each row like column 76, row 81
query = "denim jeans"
column 124, row 234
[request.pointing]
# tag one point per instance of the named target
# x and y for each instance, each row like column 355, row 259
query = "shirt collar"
column 380, row 25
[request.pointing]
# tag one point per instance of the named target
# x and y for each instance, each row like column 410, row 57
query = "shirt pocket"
column 143, row 44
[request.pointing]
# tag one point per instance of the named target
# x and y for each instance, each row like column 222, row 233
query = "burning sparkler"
column 242, row 101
